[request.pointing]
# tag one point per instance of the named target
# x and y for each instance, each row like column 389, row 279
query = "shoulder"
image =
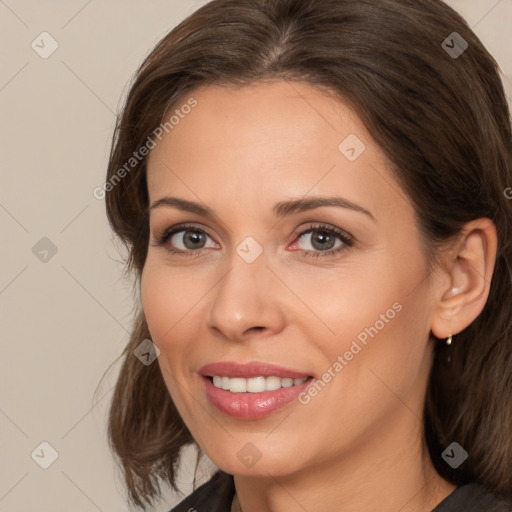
column 473, row 497
column 215, row 495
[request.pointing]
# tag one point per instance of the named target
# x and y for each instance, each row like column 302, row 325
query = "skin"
column 358, row 444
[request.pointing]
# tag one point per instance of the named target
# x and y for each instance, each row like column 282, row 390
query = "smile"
column 252, row 390
column 254, row 384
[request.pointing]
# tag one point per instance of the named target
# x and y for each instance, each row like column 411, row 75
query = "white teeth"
column 254, row 384
column 272, row 383
column 238, row 385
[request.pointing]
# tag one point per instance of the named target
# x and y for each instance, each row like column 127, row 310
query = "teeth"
column 254, row 384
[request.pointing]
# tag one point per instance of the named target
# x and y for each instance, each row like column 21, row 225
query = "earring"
column 449, row 340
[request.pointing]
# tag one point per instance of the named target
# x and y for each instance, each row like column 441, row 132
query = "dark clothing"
column 217, row 494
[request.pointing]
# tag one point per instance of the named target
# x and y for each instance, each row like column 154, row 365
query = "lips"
column 248, row 370
column 252, row 404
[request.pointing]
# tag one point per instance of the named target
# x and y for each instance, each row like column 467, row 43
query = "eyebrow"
column 281, row 209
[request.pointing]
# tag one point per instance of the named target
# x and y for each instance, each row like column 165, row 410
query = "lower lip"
column 252, row 405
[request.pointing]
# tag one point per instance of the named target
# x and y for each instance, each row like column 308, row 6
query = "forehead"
column 266, row 140
column 261, row 117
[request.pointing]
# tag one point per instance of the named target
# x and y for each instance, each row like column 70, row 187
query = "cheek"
column 373, row 315
column 173, row 304
column 167, row 300
column 371, row 361
column 352, row 297
column 164, row 310
column 156, row 301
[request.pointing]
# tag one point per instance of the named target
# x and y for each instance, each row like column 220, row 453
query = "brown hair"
column 444, row 123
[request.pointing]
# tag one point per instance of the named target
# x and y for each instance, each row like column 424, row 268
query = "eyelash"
column 348, row 240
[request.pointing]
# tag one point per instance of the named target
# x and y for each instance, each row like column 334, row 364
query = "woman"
column 313, row 194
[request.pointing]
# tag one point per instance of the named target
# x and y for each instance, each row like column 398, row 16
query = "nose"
column 246, row 301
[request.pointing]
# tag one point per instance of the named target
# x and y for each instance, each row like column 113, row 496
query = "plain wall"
column 66, row 316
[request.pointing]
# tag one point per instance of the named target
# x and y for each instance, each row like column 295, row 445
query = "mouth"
column 257, row 384
column 252, row 390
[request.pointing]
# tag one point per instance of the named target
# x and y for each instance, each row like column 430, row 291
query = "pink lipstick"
column 252, row 390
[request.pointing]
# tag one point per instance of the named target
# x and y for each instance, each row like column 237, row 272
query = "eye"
column 185, row 240
column 323, row 241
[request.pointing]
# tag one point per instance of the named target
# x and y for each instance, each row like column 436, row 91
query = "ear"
column 464, row 282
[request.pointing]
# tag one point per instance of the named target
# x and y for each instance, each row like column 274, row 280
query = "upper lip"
column 247, row 370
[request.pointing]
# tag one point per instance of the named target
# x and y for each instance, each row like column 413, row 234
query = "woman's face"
column 338, row 293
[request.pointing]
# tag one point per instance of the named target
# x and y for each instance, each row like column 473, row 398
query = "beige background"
column 65, row 320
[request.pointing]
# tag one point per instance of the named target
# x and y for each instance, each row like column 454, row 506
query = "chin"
column 254, row 456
